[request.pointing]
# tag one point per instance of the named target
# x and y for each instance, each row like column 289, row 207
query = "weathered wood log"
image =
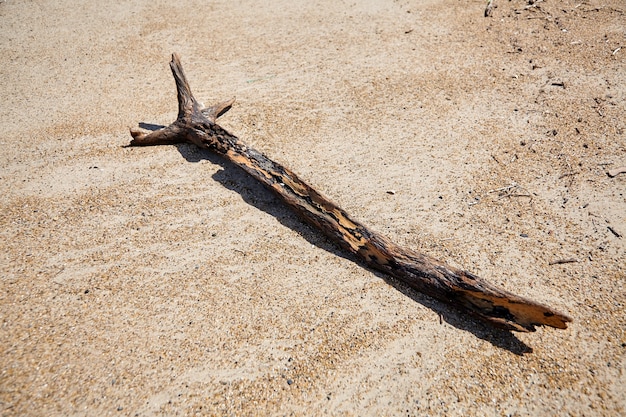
column 430, row 276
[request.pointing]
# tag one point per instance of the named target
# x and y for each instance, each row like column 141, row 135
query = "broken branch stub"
column 430, row 276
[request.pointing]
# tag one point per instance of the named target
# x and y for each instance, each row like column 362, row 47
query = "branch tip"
column 138, row 133
column 214, row 112
column 187, row 104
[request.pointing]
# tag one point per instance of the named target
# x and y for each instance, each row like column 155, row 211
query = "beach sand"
column 164, row 281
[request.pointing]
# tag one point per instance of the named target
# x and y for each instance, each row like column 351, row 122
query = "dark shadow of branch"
column 150, row 126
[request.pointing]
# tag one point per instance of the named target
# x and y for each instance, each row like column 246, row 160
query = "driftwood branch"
column 459, row 288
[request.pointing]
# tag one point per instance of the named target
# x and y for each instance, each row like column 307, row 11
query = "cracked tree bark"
column 430, row 276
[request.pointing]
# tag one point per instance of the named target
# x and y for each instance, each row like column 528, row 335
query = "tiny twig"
column 507, row 188
column 615, row 172
column 489, row 8
column 507, row 192
column 598, row 106
column 614, row 232
column 563, row 261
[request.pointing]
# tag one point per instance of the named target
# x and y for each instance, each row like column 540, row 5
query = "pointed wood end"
column 214, row 112
column 512, row 312
column 169, row 135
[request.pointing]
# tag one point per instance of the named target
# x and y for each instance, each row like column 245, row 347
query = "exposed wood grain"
column 430, row 276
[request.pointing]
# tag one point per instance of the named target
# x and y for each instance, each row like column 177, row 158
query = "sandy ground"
column 163, row 281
